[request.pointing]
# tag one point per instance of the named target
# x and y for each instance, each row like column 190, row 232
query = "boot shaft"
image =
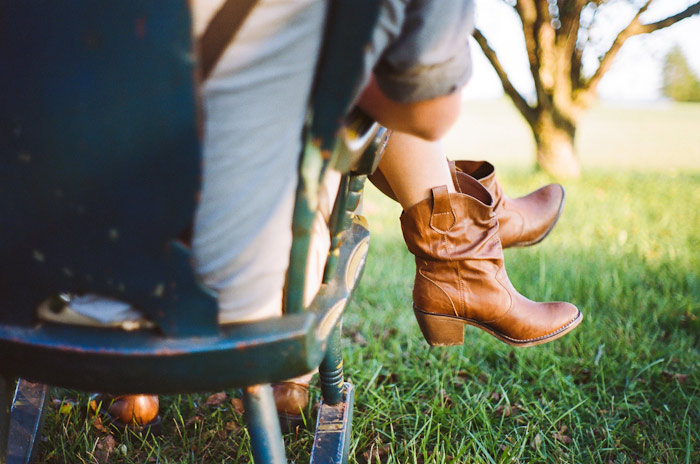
column 452, row 226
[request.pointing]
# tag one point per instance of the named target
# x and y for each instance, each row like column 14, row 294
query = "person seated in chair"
column 255, row 103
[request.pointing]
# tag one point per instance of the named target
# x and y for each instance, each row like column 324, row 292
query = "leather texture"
column 461, row 277
column 130, row 409
column 522, row 221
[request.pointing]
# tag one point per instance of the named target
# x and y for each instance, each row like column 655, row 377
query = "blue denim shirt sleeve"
column 428, row 55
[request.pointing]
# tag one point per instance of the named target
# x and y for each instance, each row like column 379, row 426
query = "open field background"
column 623, row 388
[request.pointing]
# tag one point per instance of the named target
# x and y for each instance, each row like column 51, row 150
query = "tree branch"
column 527, row 12
column 606, row 62
column 671, row 20
column 526, row 110
column 632, row 29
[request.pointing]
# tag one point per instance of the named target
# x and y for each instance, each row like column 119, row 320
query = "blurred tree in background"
column 557, row 33
column 680, row 83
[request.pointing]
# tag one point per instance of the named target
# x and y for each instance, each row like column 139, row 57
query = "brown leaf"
column 446, row 400
column 536, row 441
column 675, row 376
column 105, row 447
column 463, row 376
column 195, row 418
column 97, row 423
column 232, row 427
column 504, row 410
column 561, row 435
column 359, row 339
column 217, row 399
column 494, row 396
column 391, row 378
column 377, row 453
column 238, row 405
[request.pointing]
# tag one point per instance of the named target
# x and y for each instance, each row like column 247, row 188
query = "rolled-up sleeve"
column 430, row 57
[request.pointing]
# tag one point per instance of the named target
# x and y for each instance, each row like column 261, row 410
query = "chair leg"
column 26, row 419
column 4, row 417
column 334, row 430
column 263, row 425
column 330, row 372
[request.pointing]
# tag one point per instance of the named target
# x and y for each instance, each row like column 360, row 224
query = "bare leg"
column 412, row 166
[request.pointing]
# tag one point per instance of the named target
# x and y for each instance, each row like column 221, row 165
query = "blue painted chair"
column 99, row 171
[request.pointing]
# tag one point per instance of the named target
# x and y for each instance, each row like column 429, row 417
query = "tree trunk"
column 555, row 147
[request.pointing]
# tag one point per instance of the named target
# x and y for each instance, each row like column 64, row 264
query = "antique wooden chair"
column 99, row 171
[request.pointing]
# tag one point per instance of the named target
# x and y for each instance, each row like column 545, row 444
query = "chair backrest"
column 99, row 174
column 99, row 157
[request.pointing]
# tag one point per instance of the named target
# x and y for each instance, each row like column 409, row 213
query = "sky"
column 636, row 72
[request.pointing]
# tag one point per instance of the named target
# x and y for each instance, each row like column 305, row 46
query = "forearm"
column 428, row 119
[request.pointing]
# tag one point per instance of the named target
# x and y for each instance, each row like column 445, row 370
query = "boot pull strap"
column 442, row 218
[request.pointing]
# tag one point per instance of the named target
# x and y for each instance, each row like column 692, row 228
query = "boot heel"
column 440, row 330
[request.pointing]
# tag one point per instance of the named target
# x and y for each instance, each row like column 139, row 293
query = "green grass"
column 622, row 388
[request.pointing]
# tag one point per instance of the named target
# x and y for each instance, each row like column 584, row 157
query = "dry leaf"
column 675, row 376
column 391, row 378
column 217, row 399
column 105, row 447
column 504, row 410
column 97, row 423
column 238, row 405
column 232, row 427
column 376, row 454
column 561, row 435
column 495, row 396
column 192, row 420
column 359, row 339
column 536, row 441
column 446, row 400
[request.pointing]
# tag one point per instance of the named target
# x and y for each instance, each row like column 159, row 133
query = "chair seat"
column 242, row 354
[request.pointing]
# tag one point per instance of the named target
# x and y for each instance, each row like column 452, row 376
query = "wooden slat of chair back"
column 99, row 157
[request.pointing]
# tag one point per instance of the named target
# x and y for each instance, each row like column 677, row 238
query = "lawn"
column 623, row 388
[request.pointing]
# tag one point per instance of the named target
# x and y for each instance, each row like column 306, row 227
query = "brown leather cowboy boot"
column 461, row 278
column 522, row 221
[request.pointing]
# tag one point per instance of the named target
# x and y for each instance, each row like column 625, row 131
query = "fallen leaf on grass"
column 507, row 410
column 195, row 418
column 536, row 441
column 359, row 339
column 495, row 396
column 232, row 427
column 105, row 447
column 675, row 376
column 376, row 453
column 463, row 376
column 217, row 399
column 561, row 435
column 504, row 410
column 97, row 423
column 391, row 378
column 237, row 404
column 446, row 400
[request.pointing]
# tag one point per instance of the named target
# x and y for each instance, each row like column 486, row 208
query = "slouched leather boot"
column 461, row 278
column 522, row 221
